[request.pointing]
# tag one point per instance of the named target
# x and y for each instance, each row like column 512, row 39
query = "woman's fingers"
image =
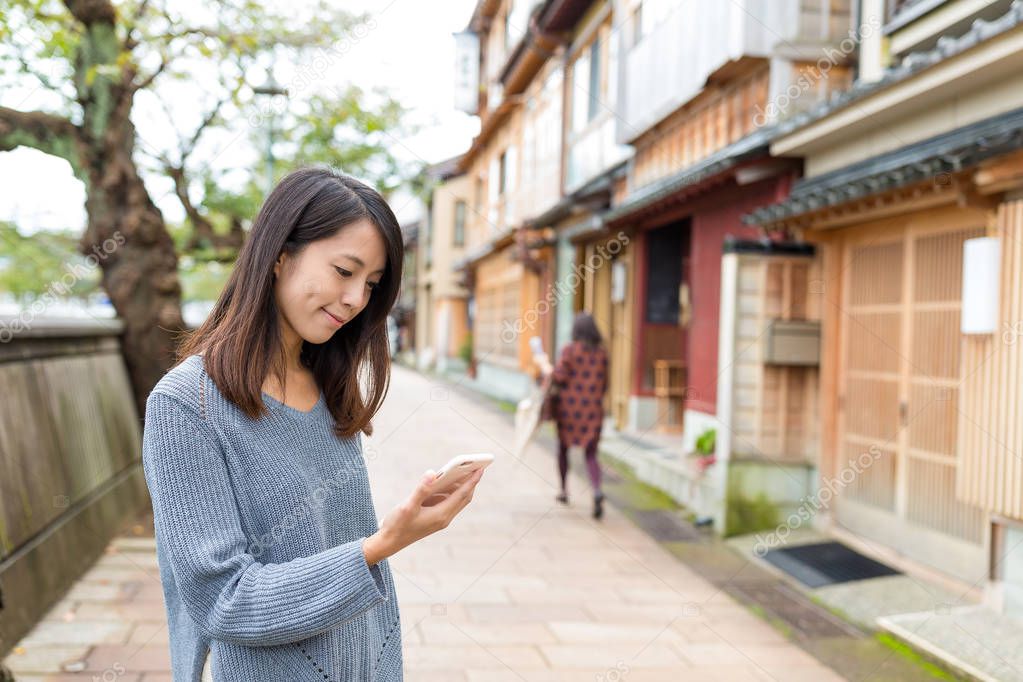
column 469, row 487
column 425, row 512
column 422, row 491
column 460, row 496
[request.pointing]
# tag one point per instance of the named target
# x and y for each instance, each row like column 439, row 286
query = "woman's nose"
column 353, row 295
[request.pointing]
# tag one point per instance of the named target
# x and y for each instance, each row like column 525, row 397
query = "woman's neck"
column 292, row 344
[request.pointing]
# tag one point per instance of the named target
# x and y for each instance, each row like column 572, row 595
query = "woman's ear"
column 279, row 264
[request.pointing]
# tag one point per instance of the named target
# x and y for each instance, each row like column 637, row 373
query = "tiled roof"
column 442, row 170
column 928, row 159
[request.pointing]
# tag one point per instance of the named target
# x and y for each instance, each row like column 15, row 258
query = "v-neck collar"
column 278, row 406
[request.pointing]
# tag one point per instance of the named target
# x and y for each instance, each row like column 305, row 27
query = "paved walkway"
column 518, row 588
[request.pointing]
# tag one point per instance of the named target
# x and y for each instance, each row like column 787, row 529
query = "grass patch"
column 635, row 492
column 910, row 654
column 745, row 514
column 506, row 405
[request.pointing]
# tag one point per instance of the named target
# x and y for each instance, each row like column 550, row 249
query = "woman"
column 581, row 378
column 269, row 550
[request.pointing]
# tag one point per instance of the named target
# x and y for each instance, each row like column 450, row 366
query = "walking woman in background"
column 272, row 562
column 580, row 378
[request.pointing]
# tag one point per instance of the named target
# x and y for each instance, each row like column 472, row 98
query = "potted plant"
column 705, row 445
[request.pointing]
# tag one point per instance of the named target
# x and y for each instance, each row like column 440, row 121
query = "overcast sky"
column 410, row 52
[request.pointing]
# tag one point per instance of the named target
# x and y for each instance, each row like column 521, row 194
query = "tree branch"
column 211, row 115
column 37, row 129
column 203, row 228
column 28, row 70
column 148, row 80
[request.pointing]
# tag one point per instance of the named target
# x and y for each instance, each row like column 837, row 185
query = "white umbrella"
column 527, row 412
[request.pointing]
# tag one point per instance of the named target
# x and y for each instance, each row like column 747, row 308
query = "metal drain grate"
column 807, row 619
column 826, row 563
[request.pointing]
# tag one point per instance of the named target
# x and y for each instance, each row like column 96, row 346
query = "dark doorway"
column 666, row 255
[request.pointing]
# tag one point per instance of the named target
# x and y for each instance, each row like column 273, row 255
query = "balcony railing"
column 592, row 151
column 670, row 66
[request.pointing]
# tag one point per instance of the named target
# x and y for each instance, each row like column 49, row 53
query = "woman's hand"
column 420, row 515
column 544, row 363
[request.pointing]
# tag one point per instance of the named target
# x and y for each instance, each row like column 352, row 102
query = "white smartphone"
column 454, row 472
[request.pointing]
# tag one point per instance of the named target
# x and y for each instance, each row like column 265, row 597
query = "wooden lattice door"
column 899, row 383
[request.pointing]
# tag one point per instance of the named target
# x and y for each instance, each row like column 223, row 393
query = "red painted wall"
column 713, row 217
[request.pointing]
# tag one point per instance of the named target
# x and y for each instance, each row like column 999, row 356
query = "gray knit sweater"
column 259, row 530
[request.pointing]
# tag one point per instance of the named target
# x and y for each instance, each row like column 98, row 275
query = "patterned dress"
column 581, row 374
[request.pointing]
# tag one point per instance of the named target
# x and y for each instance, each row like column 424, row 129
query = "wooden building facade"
column 902, row 174
column 697, row 108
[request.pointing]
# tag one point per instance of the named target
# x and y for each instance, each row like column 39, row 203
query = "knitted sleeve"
column 226, row 591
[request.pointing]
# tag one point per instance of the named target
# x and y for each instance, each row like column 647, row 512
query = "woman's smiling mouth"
column 336, row 321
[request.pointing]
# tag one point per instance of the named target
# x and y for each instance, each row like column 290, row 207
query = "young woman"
column 581, row 377
column 270, row 554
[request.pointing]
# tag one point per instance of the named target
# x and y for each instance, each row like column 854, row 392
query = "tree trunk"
column 127, row 234
column 126, row 231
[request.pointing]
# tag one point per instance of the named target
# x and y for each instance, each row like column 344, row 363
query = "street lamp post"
column 270, row 88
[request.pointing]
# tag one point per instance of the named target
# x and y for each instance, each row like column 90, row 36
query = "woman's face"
column 329, row 282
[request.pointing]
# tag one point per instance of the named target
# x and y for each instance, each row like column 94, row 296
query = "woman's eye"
column 347, row 273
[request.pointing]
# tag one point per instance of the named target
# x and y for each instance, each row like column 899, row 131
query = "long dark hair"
column 241, row 339
column 584, row 329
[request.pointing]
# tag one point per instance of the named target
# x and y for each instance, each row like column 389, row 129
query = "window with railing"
column 458, row 236
column 502, row 173
column 580, row 95
column 539, row 179
column 591, row 145
column 492, row 196
column 593, row 105
column 426, row 238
